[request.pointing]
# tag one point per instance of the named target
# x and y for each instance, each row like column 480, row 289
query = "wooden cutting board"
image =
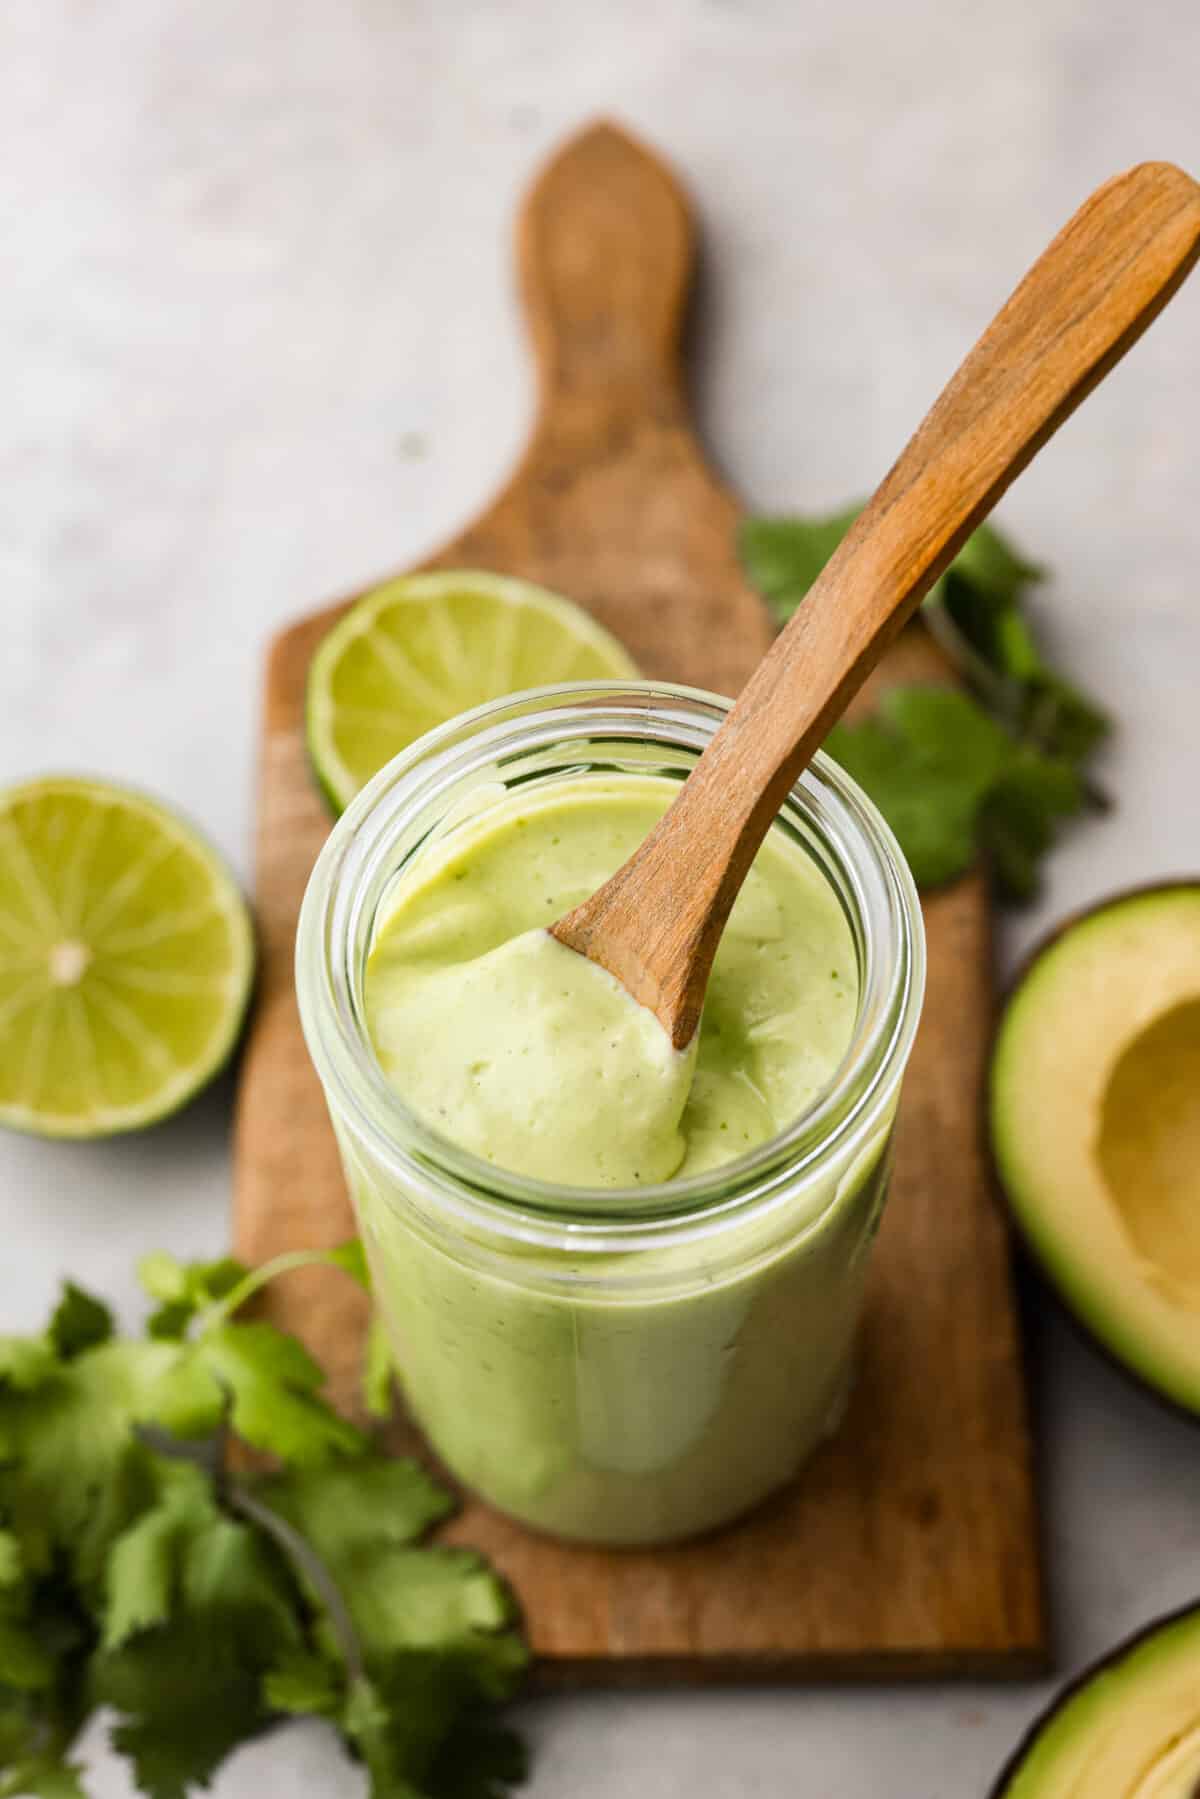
column 910, row 1545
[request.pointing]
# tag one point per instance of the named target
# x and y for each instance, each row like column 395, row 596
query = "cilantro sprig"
column 201, row 1605
column 995, row 770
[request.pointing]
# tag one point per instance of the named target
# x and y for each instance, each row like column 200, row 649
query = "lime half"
column 126, row 959
column 413, row 653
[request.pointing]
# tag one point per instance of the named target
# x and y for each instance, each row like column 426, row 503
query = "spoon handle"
column 656, row 924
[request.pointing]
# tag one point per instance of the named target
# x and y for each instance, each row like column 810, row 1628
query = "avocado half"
column 1129, row 1728
column 1094, row 1111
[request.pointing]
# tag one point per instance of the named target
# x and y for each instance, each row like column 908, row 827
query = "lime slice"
column 126, row 959
column 413, row 653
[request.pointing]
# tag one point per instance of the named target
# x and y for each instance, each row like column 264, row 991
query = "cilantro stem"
column 307, row 1562
column 246, row 1288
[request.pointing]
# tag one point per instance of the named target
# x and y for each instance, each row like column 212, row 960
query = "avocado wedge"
column 1129, row 1728
column 1094, row 1112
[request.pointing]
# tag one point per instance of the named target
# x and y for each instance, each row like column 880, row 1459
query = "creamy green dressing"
column 629, row 1396
column 540, row 1062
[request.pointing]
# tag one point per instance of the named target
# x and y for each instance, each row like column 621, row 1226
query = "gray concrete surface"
column 259, row 343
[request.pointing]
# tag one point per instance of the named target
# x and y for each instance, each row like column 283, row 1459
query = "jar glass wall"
column 614, row 1365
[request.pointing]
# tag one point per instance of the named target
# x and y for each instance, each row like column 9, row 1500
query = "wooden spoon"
column 656, row 924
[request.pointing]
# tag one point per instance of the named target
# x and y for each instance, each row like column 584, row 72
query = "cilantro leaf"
column 12, row 1562
column 47, row 1638
column 304, row 1684
column 416, row 1729
column 79, row 1322
column 1063, row 720
column 1020, row 815
column 947, row 802
column 370, row 1502
column 424, row 1637
column 988, row 563
column 26, row 1663
column 164, row 1278
column 479, row 1759
column 371, row 1721
column 74, row 1471
column 267, row 1382
column 43, row 1777
column 974, row 610
column 25, row 1362
column 784, row 556
column 927, row 758
column 184, row 1289
column 987, row 634
column 436, row 1630
column 950, row 780
column 429, row 1599
column 144, row 1562
column 169, row 1322
column 273, row 1386
column 200, row 1609
column 362, row 1523
column 183, row 1706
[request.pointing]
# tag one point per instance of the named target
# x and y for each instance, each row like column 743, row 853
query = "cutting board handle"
column 605, row 250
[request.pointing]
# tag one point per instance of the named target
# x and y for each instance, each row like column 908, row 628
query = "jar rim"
column 472, row 1192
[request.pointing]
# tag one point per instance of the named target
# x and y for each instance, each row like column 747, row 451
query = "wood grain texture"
column 1083, row 304
column 909, row 1546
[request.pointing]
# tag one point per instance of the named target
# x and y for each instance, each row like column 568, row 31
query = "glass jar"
column 612, row 1365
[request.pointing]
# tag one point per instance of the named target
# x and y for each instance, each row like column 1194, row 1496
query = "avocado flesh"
column 1129, row 1730
column 1095, row 1121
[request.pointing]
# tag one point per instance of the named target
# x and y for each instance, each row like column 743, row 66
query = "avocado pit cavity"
column 1148, row 1148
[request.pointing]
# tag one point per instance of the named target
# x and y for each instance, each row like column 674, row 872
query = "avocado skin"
column 1016, row 1761
column 1082, row 1329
